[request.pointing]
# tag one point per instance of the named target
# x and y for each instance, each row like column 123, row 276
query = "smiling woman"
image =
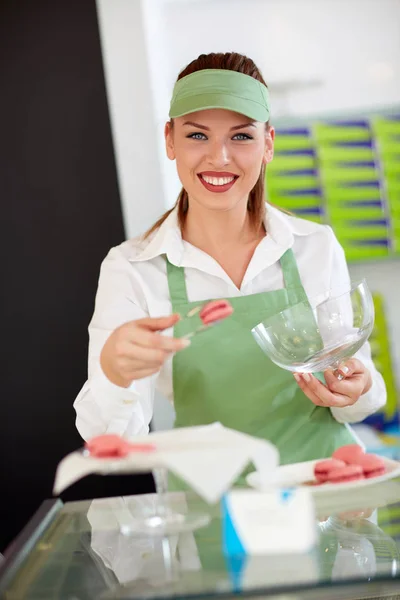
column 221, row 240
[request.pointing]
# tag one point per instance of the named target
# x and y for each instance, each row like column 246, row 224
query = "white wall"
column 318, row 57
column 348, row 49
column 132, row 101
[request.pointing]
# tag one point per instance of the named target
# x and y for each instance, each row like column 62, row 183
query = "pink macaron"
column 114, row 446
column 323, row 468
column 214, row 311
column 349, row 454
column 346, row 474
column 372, row 465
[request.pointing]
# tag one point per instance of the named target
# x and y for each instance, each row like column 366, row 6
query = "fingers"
column 133, row 353
column 320, row 394
column 136, row 350
column 139, row 349
column 149, row 339
column 351, row 386
column 158, row 324
column 354, row 368
column 351, row 367
column 338, row 391
column 143, row 333
column 311, row 395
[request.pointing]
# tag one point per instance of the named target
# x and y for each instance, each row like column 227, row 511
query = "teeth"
column 217, row 180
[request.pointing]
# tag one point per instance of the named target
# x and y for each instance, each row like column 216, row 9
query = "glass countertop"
column 89, row 550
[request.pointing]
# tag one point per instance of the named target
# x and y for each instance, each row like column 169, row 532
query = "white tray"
column 302, row 474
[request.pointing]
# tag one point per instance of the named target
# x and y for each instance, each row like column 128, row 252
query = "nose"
column 218, row 154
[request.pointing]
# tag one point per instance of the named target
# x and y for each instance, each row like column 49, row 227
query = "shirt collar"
column 167, row 239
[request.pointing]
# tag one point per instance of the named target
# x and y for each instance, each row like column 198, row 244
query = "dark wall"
column 60, row 214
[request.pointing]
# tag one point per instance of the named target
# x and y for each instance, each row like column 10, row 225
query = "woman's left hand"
column 340, row 393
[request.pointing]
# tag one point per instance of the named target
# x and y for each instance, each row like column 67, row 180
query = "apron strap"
column 176, row 284
column 291, row 276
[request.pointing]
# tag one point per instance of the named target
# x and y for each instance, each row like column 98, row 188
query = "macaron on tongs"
column 210, row 314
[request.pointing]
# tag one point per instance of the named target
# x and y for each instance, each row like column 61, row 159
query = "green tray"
column 282, row 163
column 293, row 142
column 334, row 176
column 331, row 154
column 338, row 212
column 298, row 182
column 385, row 128
column 327, row 133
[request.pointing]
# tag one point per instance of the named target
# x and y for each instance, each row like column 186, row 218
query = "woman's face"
column 219, row 155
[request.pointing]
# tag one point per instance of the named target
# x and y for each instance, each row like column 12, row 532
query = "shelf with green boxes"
column 345, row 173
column 292, row 179
column 381, row 354
column 387, row 134
column 352, row 188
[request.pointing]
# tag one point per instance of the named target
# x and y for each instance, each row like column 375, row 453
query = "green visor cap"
column 220, row 88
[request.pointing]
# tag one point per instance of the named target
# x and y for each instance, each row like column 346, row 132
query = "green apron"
column 224, row 376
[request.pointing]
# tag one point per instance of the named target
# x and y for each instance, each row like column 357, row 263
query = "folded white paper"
column 208, row 458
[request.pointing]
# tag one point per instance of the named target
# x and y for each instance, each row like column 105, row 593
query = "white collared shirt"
column 133, row 285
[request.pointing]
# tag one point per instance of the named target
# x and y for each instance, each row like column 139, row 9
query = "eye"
column 242, row 136
column 197, row 136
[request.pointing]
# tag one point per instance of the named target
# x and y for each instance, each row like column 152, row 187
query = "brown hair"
column 231, row 61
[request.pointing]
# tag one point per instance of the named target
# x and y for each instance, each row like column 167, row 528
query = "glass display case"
column 90, row 550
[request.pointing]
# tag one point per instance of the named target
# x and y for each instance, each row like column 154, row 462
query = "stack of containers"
column 352, row 188
column 387, row 134
column 292, row 178
column 345, row 173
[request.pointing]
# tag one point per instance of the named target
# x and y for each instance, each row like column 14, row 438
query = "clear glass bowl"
column 320, row 333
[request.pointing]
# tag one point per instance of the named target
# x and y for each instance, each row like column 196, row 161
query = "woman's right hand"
column 136, row 350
